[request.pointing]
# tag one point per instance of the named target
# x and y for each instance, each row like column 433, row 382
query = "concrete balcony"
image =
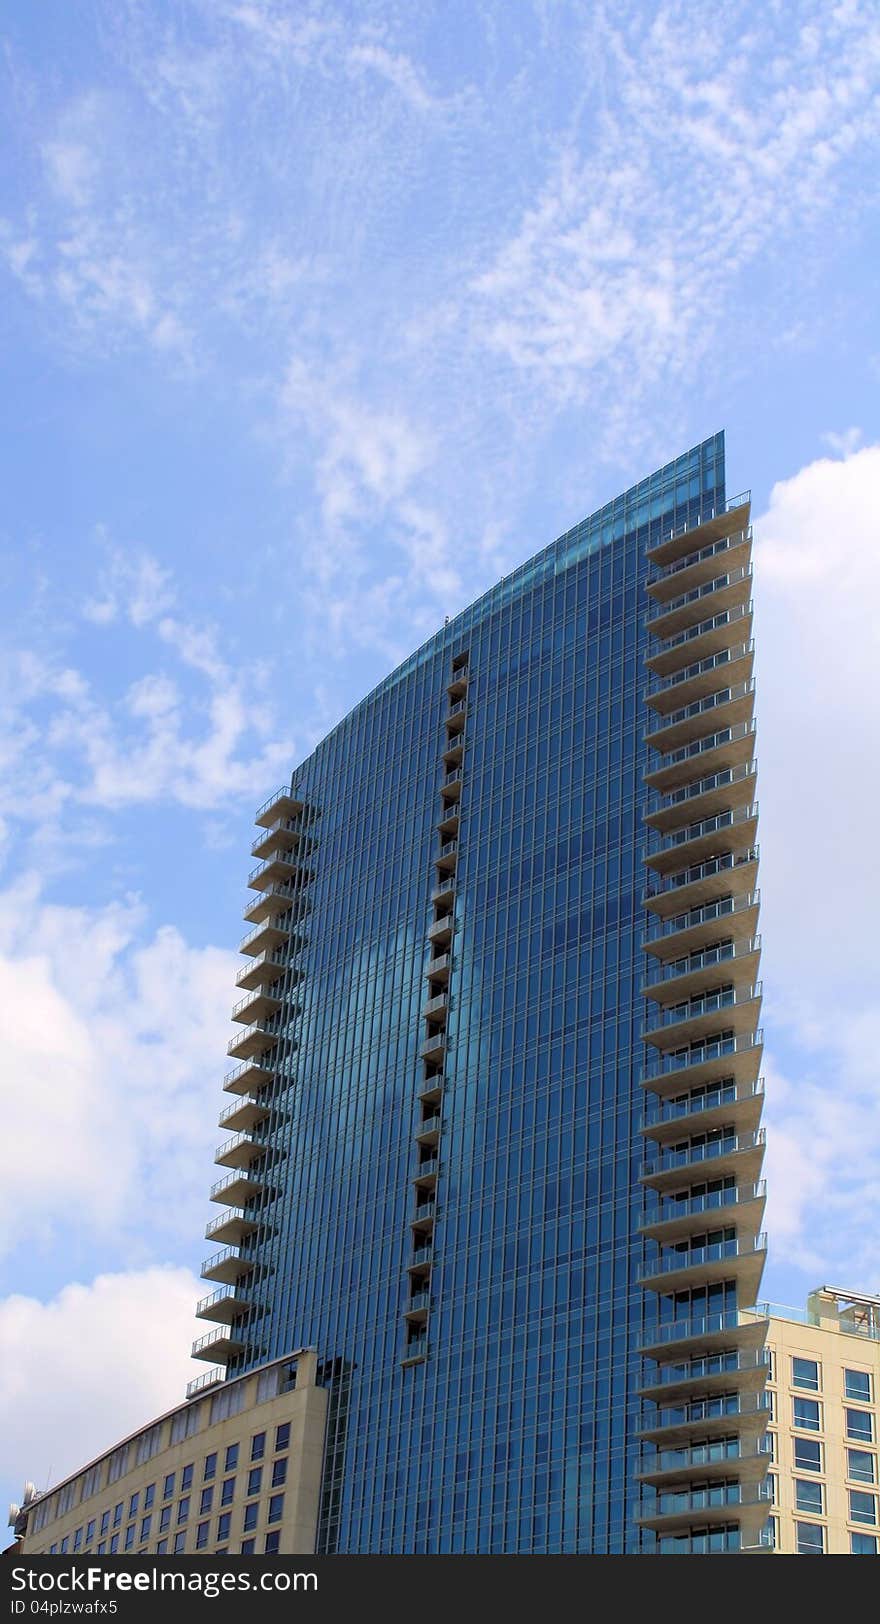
column 458, row 685
column 204, row 1383
column 745, row 1413
column 425, row 1175
column 726, row 590
column 730, row 1330
column 730, row 1105
column 701, row 883
column 694, row 1020
column 254, row 1040
column 443, row 894
column 243, row 1114
column 450, row 784
column 741, row 1259
column 714, row 1504
column 441, row 930
column 431, row 1091
column 448, row 823
column 690, row 1375
column 447, row 857
column 438, row 968
column 709, row 1460
column 434, row 1046
column 221, row 1344
column 416, row 1310
column 237, row 1189
column 230, row 1228
column 283, row 869
column 673, row 1166
column 266, row 937
column 700, row 566
column 226, row 1266
column 239, row 1151
column 282, row 804
column 700, row 678
column 734, row 918
column 436, row 1008
column 284, row 833
column 702, row 797
column 264, row 970
column 722, row 708
column 670, row 1219
column 428, row 1131
column 727, row 1057
column 456, row 713
column 249, row 1075
column 422, row 1218
column 687, row 539
column 224, row 1305
column 727, row 628
column 256, row 1008
column 736, row 828
column 278, row 898
column 736, row 962
column 711, row 753
column 416, row 1350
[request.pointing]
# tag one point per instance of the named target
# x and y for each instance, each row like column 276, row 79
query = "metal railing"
column 704, row 915
column 658, row 611
column 735, row 1195
column 708, row 1100
column 690, row 559
column 697, row 747
column 671, row 1159
column 708, row 702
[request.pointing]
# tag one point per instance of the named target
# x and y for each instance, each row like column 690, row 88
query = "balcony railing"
column 283, row 794
column 712, row 1099
column 662, row 800
column 700, row 668
column 690, row 559
column 458, row 708
column 701, row 1004
column 697, row 1054
column 433, row 1045
column 686, row 713
column 667, row 1211
column 707, row 913
column 699, row 871
column 725, row 953
column 702, row 746
column 701, row 1327
column 713, row 623
column 671, row 1158
column 729, row 819
column 211, row 1378
column 270, row 960
column 741, row 1246
column 658, row 611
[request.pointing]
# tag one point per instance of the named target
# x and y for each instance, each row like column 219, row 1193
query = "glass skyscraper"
column 493, row 1144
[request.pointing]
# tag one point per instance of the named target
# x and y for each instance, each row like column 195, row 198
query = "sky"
column 317, row 318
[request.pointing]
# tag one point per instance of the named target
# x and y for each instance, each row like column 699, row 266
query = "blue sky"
column 316, row 320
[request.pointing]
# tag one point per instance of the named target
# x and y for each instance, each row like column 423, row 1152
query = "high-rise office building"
column 493, row 1145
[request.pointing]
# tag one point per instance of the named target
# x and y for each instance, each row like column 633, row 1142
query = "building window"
column 862, row 1506
column 857, row 1385
column 863, row 1544
column 861, row 1466
column 185, row 1423
column 65, row 1545
column 258, row 1446
column 807, row 1454
column 202, row 1536
column 183, row 1509
column 114, row 1544
column 129, row 1537
column 161, row 1547
column 279, row 1473
column 180, row 1542
column 224, row 1522
column 860, row 1425
column 149, row 1495
column 282, row 1436
column 809, row 1539
column 117, row 1464
column 133, row 1504
column 227, row 1493
column 168, row 1488
column 65, row 1498
column 808, row 1496
column 102, row 1546
column 231, row 1458
column 771, row 1365
column 251, row 1513
column 117, row 1515
column 273, row 1541
column 91, row 1482
column 164, row 1519
column 148, row 1444
column 770, row 1481
column 255, row 1478
column 105, row 1521
column 227, row 1402
column 806, row 1414
column 805, row 1373
column 210, row 1467
column 268, row 1384
column 78, row 1539
column 248, row 1546
column 276, row 1508
column 206, row 1502
column 90, row 1531
column 186, row 1478
column 146, row 1525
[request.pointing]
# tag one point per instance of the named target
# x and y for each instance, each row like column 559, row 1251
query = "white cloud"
column 96, row 1362
column 817, row 583
column 117, row 1048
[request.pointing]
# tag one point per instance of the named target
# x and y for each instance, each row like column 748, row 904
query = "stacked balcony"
column 704, row 1417
column 284, row 849
column 434, row 1013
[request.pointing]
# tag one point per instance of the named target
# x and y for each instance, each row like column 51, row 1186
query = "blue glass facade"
column 484, row 1357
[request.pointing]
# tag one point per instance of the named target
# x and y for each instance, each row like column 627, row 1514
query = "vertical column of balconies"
column 432, row 1056
column 269, row 980
column 703, row 1463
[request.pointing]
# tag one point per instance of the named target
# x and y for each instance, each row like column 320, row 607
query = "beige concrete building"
column 824, row 1377
column 236, row 1469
